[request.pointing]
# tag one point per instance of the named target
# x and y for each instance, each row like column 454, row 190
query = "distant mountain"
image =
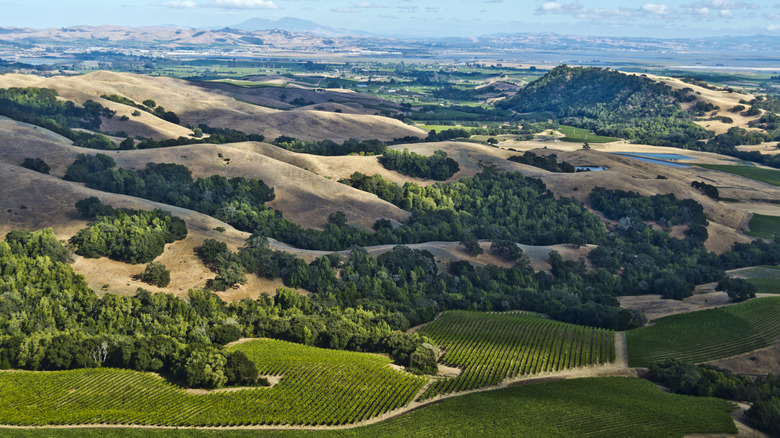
column 291, row 24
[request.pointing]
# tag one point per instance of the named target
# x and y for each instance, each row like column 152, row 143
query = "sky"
column 662, row 19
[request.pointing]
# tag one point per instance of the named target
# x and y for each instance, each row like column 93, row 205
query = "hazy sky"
column 420, row 17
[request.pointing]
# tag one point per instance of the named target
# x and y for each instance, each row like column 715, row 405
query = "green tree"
column 205, row 369
column 738, row 289
column 471, row 244
column 239, row 369
column 156, row 275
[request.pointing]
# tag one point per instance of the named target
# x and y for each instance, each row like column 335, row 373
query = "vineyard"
column 707, row 334
column 765, row 278
column 595, row 407
column 317, row 387
column 493, row 347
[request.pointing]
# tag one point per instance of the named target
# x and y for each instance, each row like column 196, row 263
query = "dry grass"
column 722, row 99
column 446, row 252
column 195, row 105
column 764, row 361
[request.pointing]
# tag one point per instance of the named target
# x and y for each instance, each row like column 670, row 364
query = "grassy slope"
column 708, row 334
column 612, row 406
column 769, row 176
column 579, row 135
column 764, row 226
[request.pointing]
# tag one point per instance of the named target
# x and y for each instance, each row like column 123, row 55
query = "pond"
column 657, row 158
column 590, row 168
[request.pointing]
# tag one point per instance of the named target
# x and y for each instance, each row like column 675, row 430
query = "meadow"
column 579, row 135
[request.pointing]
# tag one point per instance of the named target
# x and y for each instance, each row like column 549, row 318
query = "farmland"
column 764, row 226
column 765, row 278
column 708, row 334
column 579, row 135
column 769, row 176
column 494, row 347
column 610, row 406
column 344, row 387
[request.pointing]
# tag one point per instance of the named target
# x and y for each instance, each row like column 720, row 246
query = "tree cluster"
column 132, row 236
column 546, row 162
column 36, row 164
column 707, row 189
column 49, row 319
column 611, row 103
column 331, row 148
column 438, row 166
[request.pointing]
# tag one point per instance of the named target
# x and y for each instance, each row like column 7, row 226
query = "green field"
column 318, row 386
column 440, row 128
column 579, row 135
column 766, row 227
column 707, row 334
column 597, row 407
column 248, row 84
column 765, row 278
column 493, row 347
column 769, row 176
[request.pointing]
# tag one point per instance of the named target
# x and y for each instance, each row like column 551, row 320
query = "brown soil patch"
column 273, row 380
column 654, row 307
column 758, row 362
column 445, row 371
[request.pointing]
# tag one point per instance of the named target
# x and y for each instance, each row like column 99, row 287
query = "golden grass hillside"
column 722, row 99
column 195, row 105
column 303, row 196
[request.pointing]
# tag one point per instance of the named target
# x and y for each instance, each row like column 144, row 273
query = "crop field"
column 493, row 347
column 707, row 334
column 577, row 135
column 765, row 278
column 440, row 128
column 764, row 226
column 769, row 176
column 595, row 407
column 318, row 387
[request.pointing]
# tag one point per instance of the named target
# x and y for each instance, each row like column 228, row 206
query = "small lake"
column 590, row 168
column 657, row 155
column 657, row 158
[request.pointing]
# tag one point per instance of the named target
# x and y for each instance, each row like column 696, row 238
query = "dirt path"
column 621, row 350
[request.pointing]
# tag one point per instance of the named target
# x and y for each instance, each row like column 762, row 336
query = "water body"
column 590, row 168
column 657, row 158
